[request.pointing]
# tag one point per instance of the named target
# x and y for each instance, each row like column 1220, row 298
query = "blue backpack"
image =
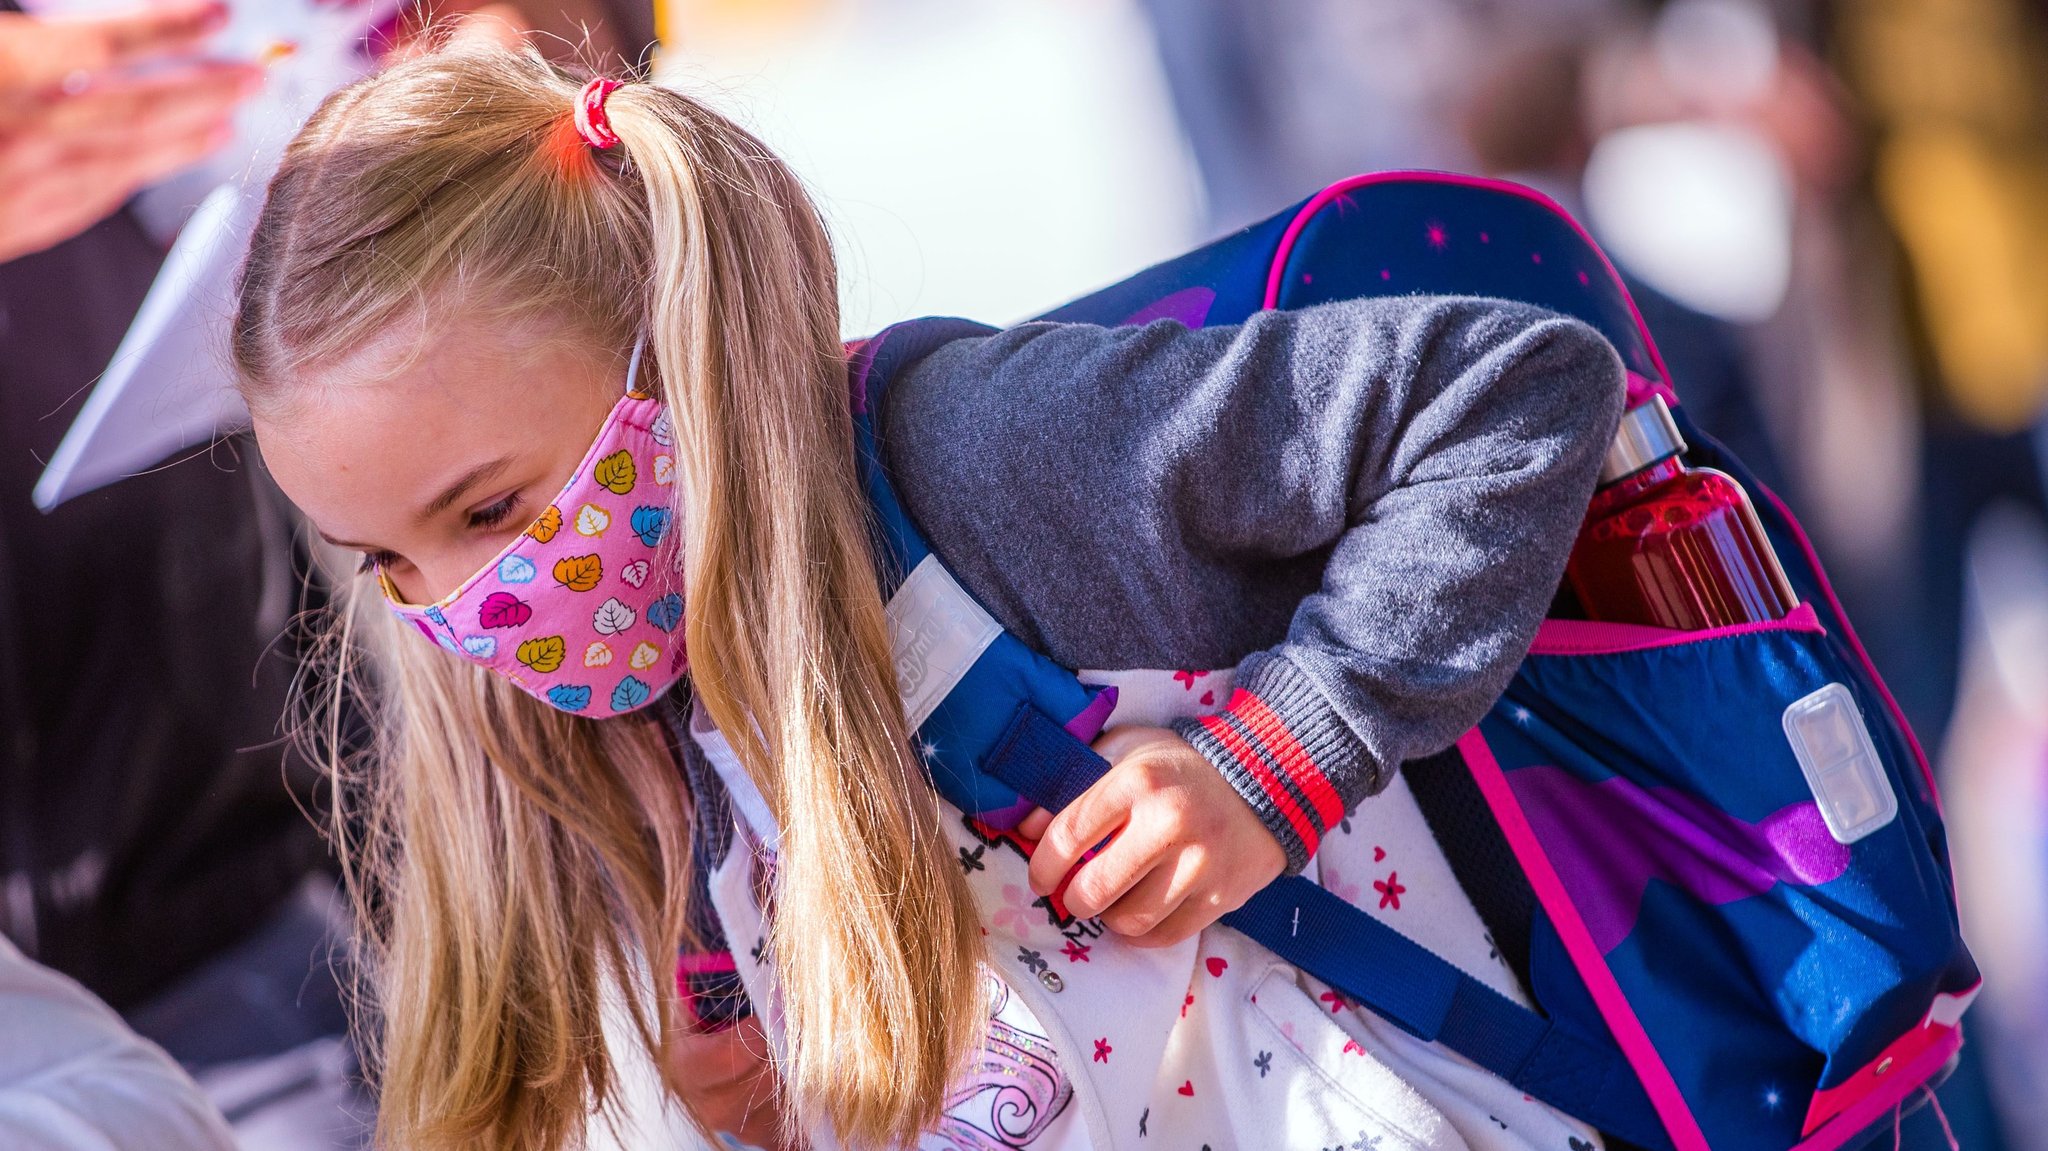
column 1715, row 859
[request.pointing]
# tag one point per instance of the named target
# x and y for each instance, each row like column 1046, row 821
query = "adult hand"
column 39, row 52
column 728, row 1080
column 1184, row 848
column 82, row 130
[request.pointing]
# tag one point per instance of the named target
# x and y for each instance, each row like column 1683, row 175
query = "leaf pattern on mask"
column 543, row 655
column 570, row 696
column 503, row 609
column 666, row 612
column 612, row 617
column 630, row 693
column 509, row 597
column 544, row 528
column 650, row 523
column 579, row 573
column 616, row 472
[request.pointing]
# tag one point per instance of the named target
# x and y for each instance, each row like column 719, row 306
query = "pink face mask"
column 585, row 609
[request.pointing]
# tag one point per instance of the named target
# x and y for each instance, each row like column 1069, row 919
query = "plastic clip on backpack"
column 1724, row 955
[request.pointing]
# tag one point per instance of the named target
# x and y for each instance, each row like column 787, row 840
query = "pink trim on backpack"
column 1840, row 1114
column 1640, row 388
column 1308, row 211
column 1856, row 645
column 1671, row 1107
column 1589, row 637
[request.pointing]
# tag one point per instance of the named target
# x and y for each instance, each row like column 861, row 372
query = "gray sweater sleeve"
column 1365, row 507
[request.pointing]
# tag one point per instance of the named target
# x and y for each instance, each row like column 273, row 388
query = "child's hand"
column 728, row 1081
column 1187, row 848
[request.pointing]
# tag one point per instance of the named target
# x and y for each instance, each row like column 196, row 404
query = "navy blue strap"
column 1380, row 968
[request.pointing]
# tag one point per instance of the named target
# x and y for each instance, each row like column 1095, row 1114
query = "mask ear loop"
column 633, row 366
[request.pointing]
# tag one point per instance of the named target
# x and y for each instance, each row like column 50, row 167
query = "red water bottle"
column 1670, row 546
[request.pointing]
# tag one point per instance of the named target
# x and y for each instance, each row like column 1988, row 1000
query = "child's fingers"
column 1034, row 823
column 1073, row 832
column 1111, row 873
column 1149, row 902
column 1197, row 911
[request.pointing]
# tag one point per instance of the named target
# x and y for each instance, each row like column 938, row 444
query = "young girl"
column 477, row 281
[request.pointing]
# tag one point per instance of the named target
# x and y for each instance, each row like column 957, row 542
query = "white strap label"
column 938, row 632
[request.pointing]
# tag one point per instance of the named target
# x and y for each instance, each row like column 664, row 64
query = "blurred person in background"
column 1279, row 98
column 73, row 1077
column 154, row 841
column 1954, row 95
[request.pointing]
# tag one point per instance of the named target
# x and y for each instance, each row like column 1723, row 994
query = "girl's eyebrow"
column 461, row 486
column 351, row 546
column 441, row 503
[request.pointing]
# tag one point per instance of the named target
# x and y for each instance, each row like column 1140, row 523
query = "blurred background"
column 1834, row 215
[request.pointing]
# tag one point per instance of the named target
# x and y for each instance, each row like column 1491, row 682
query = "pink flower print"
column 1187, row 679
column 1333, row 882
column 1075, row 951
column 1016, row 912
column 1390, row 890
column 1102, row 1050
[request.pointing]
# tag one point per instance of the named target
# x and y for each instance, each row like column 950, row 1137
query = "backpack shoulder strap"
column 963, row 678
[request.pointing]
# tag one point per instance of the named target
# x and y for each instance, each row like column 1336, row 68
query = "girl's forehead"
column 394, row 419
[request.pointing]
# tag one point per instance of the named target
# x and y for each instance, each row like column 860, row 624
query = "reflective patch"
column 1834, row 750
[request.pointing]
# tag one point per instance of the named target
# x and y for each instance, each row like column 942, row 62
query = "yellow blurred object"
column 695, row 21
column 1974, row 222
column 1957, row 92
column 279, row 50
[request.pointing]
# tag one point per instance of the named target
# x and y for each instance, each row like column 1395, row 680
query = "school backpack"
column 1715, row 859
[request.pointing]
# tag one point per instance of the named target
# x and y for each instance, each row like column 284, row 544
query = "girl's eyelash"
column 495, row 514
column 482, row 518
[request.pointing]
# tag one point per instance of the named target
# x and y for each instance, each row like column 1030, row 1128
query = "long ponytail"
column 874, row 934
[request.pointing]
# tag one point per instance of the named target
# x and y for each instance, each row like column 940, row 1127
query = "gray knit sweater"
column 1364, row 507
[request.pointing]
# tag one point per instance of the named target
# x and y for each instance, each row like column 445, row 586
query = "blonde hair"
column 509, row 859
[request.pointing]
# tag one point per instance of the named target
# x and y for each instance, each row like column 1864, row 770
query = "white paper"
column 169, row 386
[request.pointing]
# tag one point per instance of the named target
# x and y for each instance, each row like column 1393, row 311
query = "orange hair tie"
column 591, row 123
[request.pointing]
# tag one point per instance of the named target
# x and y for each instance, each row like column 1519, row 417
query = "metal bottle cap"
column 1648, row 435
